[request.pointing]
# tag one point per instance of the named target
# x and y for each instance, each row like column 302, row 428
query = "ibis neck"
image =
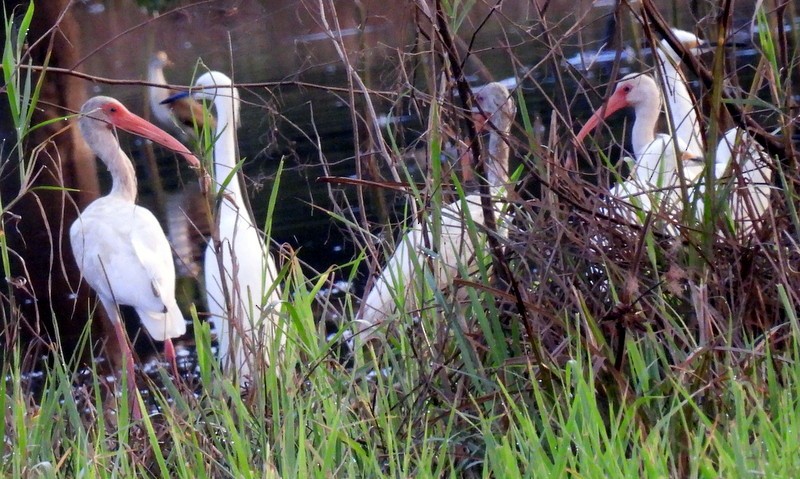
column 497, row 166
column 645, row 125
column 123, row 177
column 225, row 157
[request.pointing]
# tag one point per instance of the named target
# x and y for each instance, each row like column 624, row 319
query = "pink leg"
column 122, row 339
column 171, row 356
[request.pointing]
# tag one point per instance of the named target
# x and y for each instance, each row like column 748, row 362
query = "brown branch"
column 388, row 185
column 270, row 84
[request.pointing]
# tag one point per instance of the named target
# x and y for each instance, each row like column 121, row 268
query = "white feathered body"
column 417, row 262
column 742, row 167
column 247, row 281
column 655, row 181
column 250, row 281
column 121, row 250
column 403, row 274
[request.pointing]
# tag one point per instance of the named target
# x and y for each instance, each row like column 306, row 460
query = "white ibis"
column 655, row 178
column 656, row 156
column 244, row 297
column 182, row 113
column 399, row 283
column 120, row 247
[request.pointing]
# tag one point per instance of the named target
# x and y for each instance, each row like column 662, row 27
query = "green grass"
column 704, row 333
column 661, row 422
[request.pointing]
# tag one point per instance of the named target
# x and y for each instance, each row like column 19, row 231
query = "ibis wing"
column 153, row 253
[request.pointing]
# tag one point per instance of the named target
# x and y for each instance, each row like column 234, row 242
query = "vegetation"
column 592, row 348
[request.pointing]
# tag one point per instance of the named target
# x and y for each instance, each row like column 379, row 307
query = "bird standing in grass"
column 740, row 164
column 244, row 297
column 120, row 247
column 408, row 271
column 661, row 162
column 664, row 164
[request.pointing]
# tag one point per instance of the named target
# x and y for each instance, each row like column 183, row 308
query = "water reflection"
column 258, row 42
column 304, row 126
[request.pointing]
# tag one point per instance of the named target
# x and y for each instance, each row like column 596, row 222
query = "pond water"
column 301, row 115
column 304, row 125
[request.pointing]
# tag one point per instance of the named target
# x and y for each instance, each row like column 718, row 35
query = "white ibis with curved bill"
column 120, row 247
column 655, row 179
column 244, row 297
column 405, row 272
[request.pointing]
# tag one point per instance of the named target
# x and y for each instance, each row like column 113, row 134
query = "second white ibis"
column 659, row 160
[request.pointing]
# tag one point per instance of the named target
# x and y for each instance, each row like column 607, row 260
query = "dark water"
column 304, row 126
column 285, row 41
column 299, row 119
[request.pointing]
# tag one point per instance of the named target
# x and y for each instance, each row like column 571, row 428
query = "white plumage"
column 740, row 164
column 120, row 247
column 400, row 281
column 680, row 107
column 655, row 181
column 246, row 317
column 125, row 257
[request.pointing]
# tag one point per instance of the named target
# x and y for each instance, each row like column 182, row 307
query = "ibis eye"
column 113, row 109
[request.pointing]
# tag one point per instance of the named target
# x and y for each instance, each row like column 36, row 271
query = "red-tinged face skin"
column 123, row 119
column 480, row 121
column 617, row 101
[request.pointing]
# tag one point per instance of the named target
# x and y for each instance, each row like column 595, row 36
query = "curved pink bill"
column 132, row 123
column 616, row 102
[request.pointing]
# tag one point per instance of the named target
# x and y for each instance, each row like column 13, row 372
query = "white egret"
column 244, row 298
